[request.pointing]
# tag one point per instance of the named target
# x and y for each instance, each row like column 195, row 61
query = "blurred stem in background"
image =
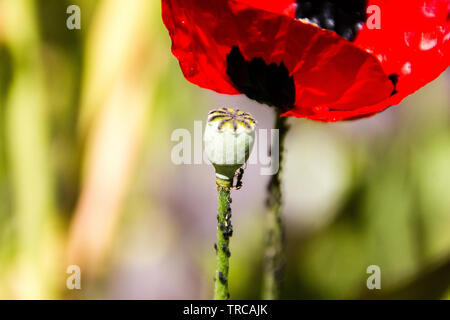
column 33, row 205
column 273, row 258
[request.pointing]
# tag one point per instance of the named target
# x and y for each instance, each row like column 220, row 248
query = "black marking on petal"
column 394, row 79
column 345, row 17
column 268, row 84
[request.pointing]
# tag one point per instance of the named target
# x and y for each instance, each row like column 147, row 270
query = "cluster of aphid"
column 227, row 227
column 227, row 232
column 223, row 279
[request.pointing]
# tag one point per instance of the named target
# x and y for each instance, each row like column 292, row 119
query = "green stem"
column 273, row 258
column 224, row 232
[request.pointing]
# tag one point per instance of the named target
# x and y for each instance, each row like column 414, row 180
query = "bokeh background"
column 86, row 176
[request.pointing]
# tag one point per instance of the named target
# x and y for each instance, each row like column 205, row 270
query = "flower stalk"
column 224, row 232
column 229, row 138
column 273, row 256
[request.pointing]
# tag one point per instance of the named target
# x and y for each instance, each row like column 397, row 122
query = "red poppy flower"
column 323, row 60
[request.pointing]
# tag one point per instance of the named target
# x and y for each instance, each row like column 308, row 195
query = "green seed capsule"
column 229, row 138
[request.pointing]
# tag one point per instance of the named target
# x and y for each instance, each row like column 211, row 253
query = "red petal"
column 413, row 42
column 193, row 26
column 287, row 7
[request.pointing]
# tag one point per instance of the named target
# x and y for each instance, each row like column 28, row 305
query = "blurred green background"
column 86, row 177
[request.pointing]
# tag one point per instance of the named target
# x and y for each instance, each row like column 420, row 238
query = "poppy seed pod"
column 229, row 138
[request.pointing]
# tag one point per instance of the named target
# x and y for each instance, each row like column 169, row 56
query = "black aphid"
column 230, row 231
column 222, row 278
column 238, row 184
